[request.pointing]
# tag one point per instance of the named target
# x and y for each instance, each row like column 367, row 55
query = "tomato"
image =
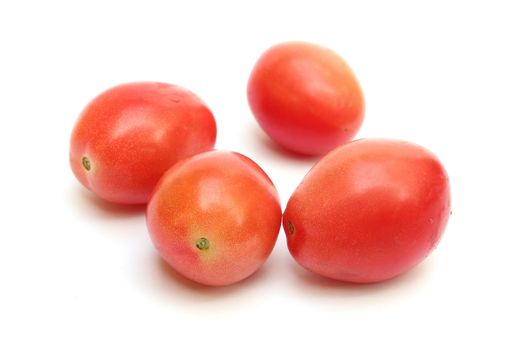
column 128, row 136
column 305, row 97
column 215, row 217
column 368, row 211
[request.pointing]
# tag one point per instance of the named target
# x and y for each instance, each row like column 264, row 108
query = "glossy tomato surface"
column 305, row 97
column 215, row 217
column 128, row 136
column 368, row 211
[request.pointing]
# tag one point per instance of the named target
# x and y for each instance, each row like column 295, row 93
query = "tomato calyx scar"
column 202, row 243
column 291, row 227
column 86, row 163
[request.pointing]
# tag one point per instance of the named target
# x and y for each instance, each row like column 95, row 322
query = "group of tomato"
column 367, row 211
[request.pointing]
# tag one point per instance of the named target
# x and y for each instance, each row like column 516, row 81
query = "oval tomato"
column 305, row 97
column 368, row 211
column 215, row 217
column 128, row 136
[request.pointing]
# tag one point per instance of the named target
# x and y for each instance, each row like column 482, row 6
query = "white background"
column 77, row 273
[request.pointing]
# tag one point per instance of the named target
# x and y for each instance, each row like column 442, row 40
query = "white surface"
column 77, row 273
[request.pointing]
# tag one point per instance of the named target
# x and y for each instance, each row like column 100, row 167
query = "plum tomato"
column 368, row 211
column 305, row 97
column 128, row 136
column 214, row 217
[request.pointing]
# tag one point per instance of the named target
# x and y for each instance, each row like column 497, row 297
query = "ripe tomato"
column 368, row 211
column 129, row 135
column 215, row 217
column 305, row 97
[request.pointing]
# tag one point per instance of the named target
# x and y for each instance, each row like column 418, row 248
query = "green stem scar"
column 291, row 227
column 202, row 243
column 86, row 163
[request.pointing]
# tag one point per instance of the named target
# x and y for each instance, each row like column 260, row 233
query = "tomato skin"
column 305, row 97
column 222, row 198
column 127, row 137
column 368, row 211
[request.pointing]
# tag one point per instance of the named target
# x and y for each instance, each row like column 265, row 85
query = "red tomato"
column 368, row 211
column 128, row 136
column 305, row 97
column 215, row 217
